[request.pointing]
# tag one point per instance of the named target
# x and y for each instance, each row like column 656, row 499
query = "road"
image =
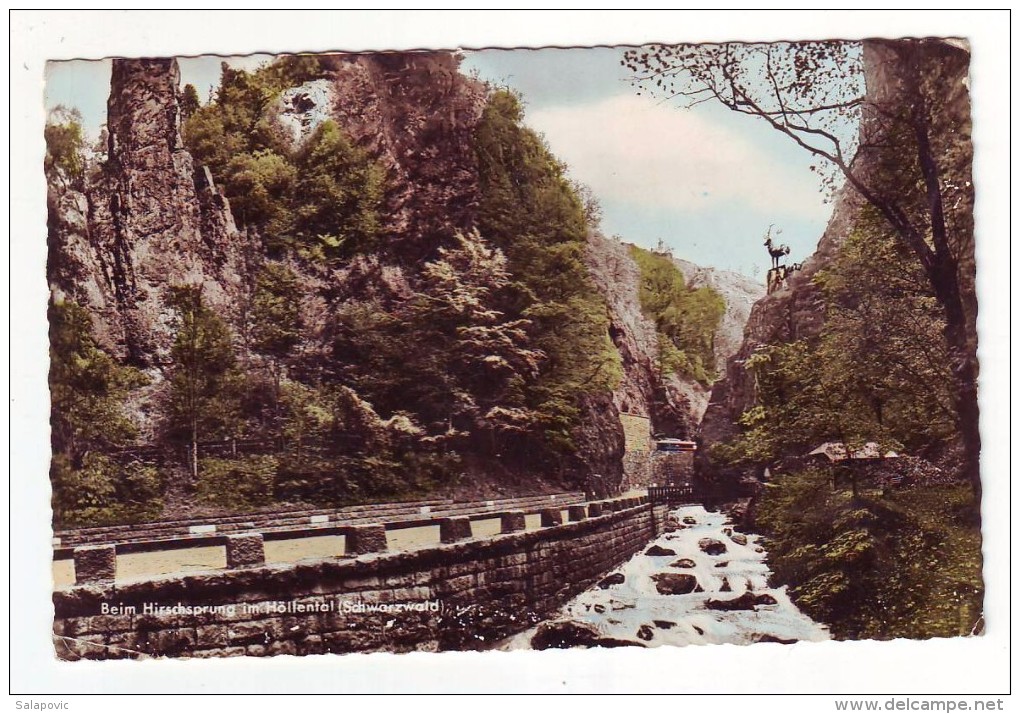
column 140, row 566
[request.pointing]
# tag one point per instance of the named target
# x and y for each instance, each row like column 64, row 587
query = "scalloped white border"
column 959, row 665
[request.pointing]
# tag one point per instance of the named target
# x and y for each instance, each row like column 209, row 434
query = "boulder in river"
column 615, row 642
column 683, row 563
column 645, row 633
column 664, row 624
column 739, row 538
column 712, row 546
column 773, row 638
column 675, row 583
column 747, row 601
column 612, row 579
column 690, row 520
column 564, row 635
column 725, row 587
column 659, row 550
column 722, row 564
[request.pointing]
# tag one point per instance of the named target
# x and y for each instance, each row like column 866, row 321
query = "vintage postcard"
column 501, row 350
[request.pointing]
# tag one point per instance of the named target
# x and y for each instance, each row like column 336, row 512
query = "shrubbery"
column 686, row 319
column 242, row 483
column 903, row 564
column 103, row 491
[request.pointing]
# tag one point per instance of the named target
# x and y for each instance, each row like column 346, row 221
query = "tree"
column 189, row 101
column 88, row 390
column 275, row 319
column 339, row 189
column 480, row 361
column 87, row 387
column 910, row 159
column 65, row 145
column 203, row 381
column 529, row 211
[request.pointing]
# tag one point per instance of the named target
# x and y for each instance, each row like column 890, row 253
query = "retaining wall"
column 463, row 595
column 641, row 469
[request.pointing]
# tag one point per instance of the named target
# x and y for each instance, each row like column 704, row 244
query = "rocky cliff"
column 739, row 293
column 147, row 220
column 415, row 115
column 675, row 405
column 791, row 313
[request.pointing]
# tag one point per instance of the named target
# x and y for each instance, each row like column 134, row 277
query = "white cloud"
column 632, row 149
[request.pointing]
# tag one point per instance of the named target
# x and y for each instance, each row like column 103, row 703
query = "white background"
column 978, row 665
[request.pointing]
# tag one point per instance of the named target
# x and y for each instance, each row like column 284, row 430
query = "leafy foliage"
column 685, row 319
column 907, row 564
column 337, row 195
column 204, row 381
column 237, row 483
column 103, row 491
column 87, row 392
column 321, row 198
column 87, row 387
column 276, row 311
column 530, row 211
column 65, row 145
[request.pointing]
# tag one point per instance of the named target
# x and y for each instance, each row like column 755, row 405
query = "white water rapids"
column 634, row 609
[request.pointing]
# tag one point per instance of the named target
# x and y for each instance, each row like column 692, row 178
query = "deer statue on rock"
column 776, row 252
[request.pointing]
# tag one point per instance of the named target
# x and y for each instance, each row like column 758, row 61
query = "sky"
column 706, row 181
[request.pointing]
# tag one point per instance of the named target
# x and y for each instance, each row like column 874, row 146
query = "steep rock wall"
column 670, row 403
column 148, row 220
column 415, row 115
column 789, row 314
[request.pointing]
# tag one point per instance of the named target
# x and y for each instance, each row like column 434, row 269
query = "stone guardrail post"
column 512, row 521
column 366, row 539
column 95, row 563
column 577, row 513
column 245, row 550
column 594, row 510
column 551, row 517
column 454, row 528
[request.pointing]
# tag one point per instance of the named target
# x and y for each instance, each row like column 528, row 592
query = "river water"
column 646, row 600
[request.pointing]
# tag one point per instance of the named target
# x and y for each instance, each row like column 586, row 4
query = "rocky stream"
column 700, row 582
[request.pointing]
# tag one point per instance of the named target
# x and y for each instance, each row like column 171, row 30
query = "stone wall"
column 642, row 469
column 637, row 432
column 463, row 595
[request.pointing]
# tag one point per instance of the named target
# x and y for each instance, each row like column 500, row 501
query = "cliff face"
column 415, row 115
column 739, row 293
column 148, row 220
column 675, row 405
